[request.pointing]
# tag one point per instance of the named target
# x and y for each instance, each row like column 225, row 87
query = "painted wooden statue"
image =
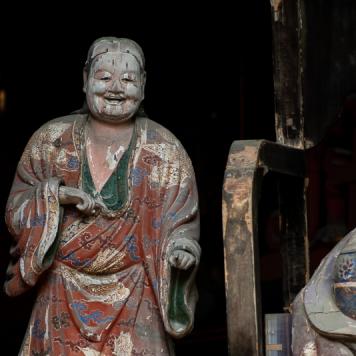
column 104, row 213
column 324, row 312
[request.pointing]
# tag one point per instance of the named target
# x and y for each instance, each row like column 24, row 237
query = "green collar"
column 115, row 191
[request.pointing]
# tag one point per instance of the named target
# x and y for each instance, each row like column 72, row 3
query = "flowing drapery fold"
column 107, row 286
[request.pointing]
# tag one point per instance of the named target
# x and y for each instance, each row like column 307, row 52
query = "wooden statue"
column 324, row 312
column 104, row 214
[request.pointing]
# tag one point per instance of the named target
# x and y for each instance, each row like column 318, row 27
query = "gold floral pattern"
column 106, row 261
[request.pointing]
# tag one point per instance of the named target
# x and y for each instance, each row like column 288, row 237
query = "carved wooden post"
column 247, row 163
column 287, row 27
column 240, row 232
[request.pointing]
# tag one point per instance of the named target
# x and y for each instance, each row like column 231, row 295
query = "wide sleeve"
column 180, row 230
column 32, row 215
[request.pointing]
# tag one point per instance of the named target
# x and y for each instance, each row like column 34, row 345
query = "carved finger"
column 91, row 206
column 183, row 261
column 173, row 259
column 190, row 262
column 84, row 207
column 80, row 206
column 89, row 209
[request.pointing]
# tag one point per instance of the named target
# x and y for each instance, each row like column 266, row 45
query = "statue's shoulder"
column 57, row 127
column 63, row 121
column 158, row 140
column 155, row 133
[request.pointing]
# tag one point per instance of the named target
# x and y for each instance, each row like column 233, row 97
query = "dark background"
column 209, row 80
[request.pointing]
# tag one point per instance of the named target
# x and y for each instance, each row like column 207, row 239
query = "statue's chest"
column 102, row 161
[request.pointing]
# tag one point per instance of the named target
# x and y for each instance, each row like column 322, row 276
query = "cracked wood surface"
column 248, row 161
column 314, row 55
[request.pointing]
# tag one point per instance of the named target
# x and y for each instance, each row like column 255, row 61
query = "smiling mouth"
column 114, row 100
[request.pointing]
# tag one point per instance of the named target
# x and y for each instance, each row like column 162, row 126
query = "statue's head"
column 114, row 79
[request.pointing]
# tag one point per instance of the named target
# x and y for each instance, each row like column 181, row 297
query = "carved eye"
column 103, row 75
column 128, row 78
column 105, row 78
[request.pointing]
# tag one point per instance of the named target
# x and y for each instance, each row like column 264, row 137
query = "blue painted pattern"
column 157, row 222
column 37, row 332
column 132, row 247
column 95, row 316
column 37, row 220
column 345, row 294
column 345, row 268
column 74, row 260
column 138, row 174
column 73, row 163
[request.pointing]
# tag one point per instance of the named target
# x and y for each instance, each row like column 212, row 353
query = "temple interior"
column 209, row 81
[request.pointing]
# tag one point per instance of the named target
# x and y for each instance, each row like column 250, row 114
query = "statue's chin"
column 115, row 120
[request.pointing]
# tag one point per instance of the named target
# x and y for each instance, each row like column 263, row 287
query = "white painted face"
column 115, row 87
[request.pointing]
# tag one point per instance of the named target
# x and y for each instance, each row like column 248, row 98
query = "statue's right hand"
column 83, row 201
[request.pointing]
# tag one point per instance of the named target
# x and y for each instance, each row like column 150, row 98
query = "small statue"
column 104, row 213
column 324, row 312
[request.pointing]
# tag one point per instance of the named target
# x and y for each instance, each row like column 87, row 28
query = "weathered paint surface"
column 314, row 51
column 318, row 318
column 288, row 71
column 247, row 163
column 116, row 264
column 242, row 282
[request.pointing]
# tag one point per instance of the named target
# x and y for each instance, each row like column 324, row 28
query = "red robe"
column 105, row 284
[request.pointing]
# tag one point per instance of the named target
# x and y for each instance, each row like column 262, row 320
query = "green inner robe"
column 115, row 190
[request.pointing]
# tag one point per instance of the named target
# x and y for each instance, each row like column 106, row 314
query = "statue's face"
column 114, row 87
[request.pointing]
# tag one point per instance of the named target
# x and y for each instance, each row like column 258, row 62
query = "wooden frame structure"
column 314, row 51
column 248, row 162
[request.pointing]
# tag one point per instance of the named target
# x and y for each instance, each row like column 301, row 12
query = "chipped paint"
column 289, row 62
column 310, row 349
column 239, row 249
column 248, row 161
column 224, row 215
column 113, row 158
column 87, row 263
column 276, row 8
column 115, row 86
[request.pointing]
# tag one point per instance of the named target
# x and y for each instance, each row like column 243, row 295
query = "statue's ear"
column 85, row 80
column 143, row 78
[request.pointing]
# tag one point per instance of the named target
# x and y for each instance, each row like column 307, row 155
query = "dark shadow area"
column 271, row 261
column 332, row 183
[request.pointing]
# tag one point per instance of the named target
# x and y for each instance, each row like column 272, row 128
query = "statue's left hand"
column 181, row 259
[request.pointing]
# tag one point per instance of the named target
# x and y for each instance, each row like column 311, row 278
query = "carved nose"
column 116, row 87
